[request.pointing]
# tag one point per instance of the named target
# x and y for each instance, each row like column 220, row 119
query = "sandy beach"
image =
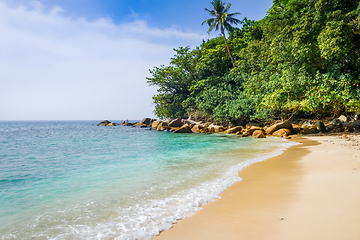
column 311, row 191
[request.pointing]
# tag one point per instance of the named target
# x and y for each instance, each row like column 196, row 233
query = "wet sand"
column 311, row 191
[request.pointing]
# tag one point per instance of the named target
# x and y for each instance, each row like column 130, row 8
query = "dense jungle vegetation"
column 302, row 59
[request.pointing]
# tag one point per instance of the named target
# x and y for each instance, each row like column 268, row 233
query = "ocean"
column 76, row 180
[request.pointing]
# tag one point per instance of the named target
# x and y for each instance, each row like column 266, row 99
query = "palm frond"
column 233, row 20
column 209, row 21
column 227, row 7
column 211, row 27
column 212, row 12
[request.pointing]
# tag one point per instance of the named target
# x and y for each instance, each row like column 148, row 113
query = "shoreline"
column 311, row 191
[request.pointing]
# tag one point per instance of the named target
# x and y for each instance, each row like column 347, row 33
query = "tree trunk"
column 227, row 47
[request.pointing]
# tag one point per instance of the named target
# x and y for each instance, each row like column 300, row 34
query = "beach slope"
column 311, row 191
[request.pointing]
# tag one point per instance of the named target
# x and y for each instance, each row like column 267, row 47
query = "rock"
column 342, row 118
column 211, row 129
column 204, row 130
column 347, row 127
column 357, row 116
column 215, row 128
column 320, row 126
column 127, row 124
column 123, row 122
column 191, row 118
column 104, row 123
column 162, row 126
column 335, row 127
column 155, row 124
column 176, row 123
column 310, row 130
column 330, row 127
column 259, row 134
column 253, row 129
column 112, row 124
column 284, row 132
column 184, row 129
column 196, row 128
column 336, row 121
column 233, row 130
column 296, row 128
column 286, row 124
column 146, row 121
column 356, row 125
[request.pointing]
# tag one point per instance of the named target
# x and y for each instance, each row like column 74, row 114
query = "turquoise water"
column 75, row 180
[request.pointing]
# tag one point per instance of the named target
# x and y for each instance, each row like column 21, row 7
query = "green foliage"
column 302, row 58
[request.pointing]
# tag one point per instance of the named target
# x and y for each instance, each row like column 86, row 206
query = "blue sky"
column 89, row 59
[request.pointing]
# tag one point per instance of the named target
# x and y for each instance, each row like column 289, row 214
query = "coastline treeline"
column 302, row 59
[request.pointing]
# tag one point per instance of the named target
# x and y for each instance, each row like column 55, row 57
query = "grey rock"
column 320, row 126
column 146, row 121
column 343, row 118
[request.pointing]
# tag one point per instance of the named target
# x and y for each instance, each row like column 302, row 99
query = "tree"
column 222, row 20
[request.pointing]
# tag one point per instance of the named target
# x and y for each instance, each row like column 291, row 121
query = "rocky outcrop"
column 284, row 132
column 176, row 123
column 233, row 130
column 155, row 124
column 104, row 123
column 259, row 133
column 184, row 129
column 286, row 124
column 356, row 125
column 320, row 126
column 196, row 128
column 162, row 126
column 146, row 121
column 251, row 129
column 112, row 124
column 215, row 128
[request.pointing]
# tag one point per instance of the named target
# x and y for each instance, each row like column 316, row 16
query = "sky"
column 89, row 59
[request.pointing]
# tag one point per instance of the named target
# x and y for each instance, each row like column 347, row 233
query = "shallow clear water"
column 75, row 180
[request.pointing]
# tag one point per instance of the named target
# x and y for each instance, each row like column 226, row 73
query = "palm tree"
column 222, row 20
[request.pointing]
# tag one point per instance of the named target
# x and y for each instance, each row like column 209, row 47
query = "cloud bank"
column 61, row 68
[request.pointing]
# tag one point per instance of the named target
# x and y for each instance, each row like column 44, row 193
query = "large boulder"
column 176, row 123
column 320, row 126
column 184, row 129
column 286, row 124
column 204, row 130
column 233, row 130
column 284, row 132
column 146, row 121
column 162, row 126
column 356, row 125
column 112, row 124
column 259, row 134
column 250, row 131
column 215, row 128
column 104, row 123
column 197, row 128
column 342, row 118
column 310, row 130
column 155, row 124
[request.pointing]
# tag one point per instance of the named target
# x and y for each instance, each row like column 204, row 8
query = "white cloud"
column 56, row 67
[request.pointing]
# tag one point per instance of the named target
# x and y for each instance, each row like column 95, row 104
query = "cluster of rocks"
column 280, row 128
